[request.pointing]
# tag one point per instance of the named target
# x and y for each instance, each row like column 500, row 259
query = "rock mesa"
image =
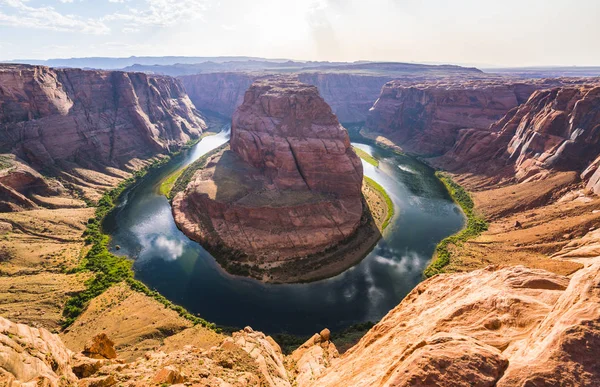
column 290, row 186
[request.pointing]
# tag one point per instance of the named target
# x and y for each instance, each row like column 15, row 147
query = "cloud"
column 169, row 249
column 161, row 13
column 22, row 15
column 157, row 13
column 411, row 262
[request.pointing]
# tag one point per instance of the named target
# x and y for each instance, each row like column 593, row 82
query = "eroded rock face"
column 60, row 117
column 349, row 95
column 220, row 93
column 425, row 118
column 34, row 356
column 556, row 129
column 289, row 187
column 286, row 130
column 505, row 327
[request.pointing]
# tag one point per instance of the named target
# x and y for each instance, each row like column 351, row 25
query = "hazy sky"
column 480, row 32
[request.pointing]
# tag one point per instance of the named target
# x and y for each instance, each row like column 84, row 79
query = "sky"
column 474, row 32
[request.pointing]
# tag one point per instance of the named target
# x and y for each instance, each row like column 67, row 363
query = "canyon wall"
column 286, row 129
column 53, row 117
column 425, row 117
column 555, row 130
column 217, row 93
column 349, row 95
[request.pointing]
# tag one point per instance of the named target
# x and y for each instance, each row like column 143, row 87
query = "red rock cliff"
column 556, row 129
column 219, row 93
column 91, row 118
column 349, row 95
column 288, row 131
column 425, row 118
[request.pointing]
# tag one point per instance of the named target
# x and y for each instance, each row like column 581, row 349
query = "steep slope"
column 72, row 124
column 425, row 117
column 32, row 357
column 289, row 188
column 52, row 116
column 555, row 130
column 505, row 327
column 220, row 93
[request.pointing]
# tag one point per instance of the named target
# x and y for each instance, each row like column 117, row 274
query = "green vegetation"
column 110, row 269
column 186, row 175
column 365, row 156
column 5, row 162
column 167, row 184
column 388, row 200
column 474, row 227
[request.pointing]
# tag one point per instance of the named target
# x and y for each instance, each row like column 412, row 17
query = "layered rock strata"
column 555, row 130
column 290, row 186
column 87, row 127
column 52, row 116
column 425, row 117
column 493, row 327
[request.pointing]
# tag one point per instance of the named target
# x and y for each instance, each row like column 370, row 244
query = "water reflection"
column 186, row 274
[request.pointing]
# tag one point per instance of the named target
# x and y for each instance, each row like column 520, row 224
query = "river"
column 180, row 269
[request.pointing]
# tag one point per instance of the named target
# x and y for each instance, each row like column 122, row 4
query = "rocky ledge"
column 288, row 190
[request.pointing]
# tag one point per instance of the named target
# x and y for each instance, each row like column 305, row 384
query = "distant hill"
column 547, row 72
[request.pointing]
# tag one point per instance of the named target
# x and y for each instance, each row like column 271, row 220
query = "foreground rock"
column 493, row 327
column 555, row 130
column 505, row 327
column 29, row 356
column 289, row 188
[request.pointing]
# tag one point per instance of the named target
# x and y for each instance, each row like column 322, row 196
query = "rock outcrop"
column 61, row 118
column 492, row 327
column 504, row 327
column 30, row 356
column 33, row 357
column 555, row 130
column 290, row 187
column 426, row 117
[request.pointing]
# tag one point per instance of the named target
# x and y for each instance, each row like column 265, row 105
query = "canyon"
column 517, row 305
column 287, row 190
column 350, row 89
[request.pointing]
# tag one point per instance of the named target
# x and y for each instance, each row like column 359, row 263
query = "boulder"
column 100, row 347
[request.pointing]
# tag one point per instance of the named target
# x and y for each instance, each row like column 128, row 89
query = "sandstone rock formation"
column 496, row 326
column 349, row 95
column 555, row 130
column 100, row 347
column 425, row 117
column 29, row 356
column 505, row 327
column 290, row 187
column 19, row 185
column 67, row 122
column 91, row 117
column 219, row 93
